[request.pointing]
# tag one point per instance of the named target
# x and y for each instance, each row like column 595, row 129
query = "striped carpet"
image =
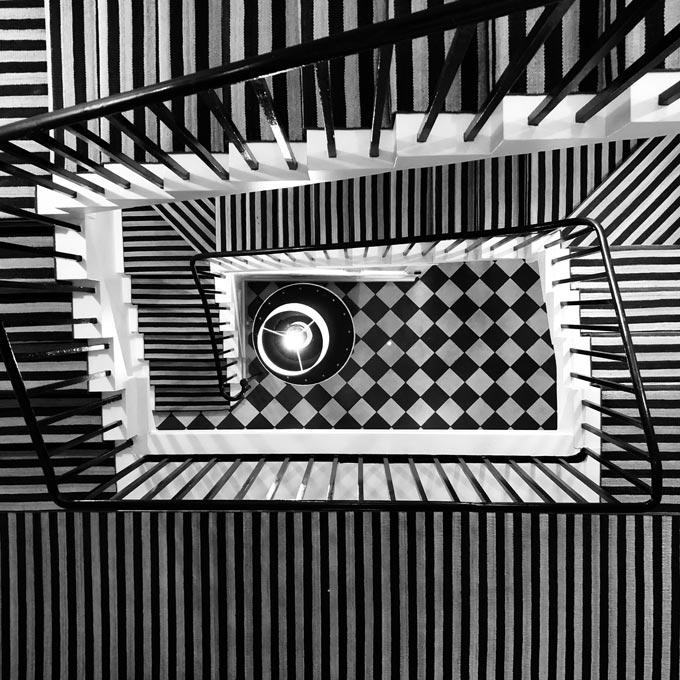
column 338, row 595
column 649, row 278
column 194, row 221
column 26, row 318
column 644, row 223
column 23, row 79
column 158, row 243
column 650, row 214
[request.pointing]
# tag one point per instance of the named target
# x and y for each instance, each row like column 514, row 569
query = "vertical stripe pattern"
column 493, row 193
column 108, row 46
column 382, row 595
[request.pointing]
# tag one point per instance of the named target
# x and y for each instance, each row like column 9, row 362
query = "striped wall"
column 650, row 214
column 486, row 194
column 23, row 78
column 101, row 47
column 338, row 595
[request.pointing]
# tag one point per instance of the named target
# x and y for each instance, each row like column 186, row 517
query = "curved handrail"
column 570, row 223
column 444, row 17
column 222, row 384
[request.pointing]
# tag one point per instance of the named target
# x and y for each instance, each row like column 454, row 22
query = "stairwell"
column 253, row 593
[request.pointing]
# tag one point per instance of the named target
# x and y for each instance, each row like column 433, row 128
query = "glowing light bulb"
column 295, row 338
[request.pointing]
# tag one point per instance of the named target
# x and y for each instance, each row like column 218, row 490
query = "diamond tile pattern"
column 466, row 346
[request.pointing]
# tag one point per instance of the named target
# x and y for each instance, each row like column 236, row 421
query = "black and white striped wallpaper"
column 492, row 193
column 338, row 595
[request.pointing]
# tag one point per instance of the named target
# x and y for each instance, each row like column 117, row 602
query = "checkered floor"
column 466, row 346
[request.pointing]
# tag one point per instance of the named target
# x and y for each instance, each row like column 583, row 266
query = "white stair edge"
column 382, row 442
column 634, row 114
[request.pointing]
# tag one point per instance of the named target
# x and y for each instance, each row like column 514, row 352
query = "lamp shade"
column 303, row 333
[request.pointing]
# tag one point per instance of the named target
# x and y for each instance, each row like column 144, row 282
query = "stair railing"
column 152, row 475
column 46, row 129
column 563, row 232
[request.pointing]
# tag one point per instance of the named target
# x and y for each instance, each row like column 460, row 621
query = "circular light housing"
column 303, row 333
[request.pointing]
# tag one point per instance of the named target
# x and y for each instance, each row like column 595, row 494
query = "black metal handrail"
column 444, row 17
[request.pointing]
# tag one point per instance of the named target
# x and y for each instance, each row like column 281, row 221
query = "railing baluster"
column 77, row 410
column 576, row 253
column 570, row 235
column 98, row 490
column 475, row 244
column 625, row 446
column 557, row 481
column 417, row 480
column 47, row 287
column 380, row 97
column 86, row 135
column 302, row 489
column 121, row 123
column 35, row 217
column 581, row 277
column 251, row 480
column 214, row 103
column 495, row 472
column 193, row 482
column 544, row 26
column 455, row 244
column 388, row 479
column 447, row 482
column 32, row 251
column 473, row 481
column 669, row 95
column 454, row 58
column 49, row 387
column 60, row 149
column 223, row 480
column 612, row 414
column 168, row 479
column 600, row 355
column 128, row 489
column 93, row 462
column 620, row 471
column 331, row 481
column 264, row 97
column 360, row 478
column 163, row 113
column 530, row 482
column 323, row 84
column 67, row 446
column 27, row 158
column 591, row 326
column 40, row 180
column 603, row 382
column 612, row 35
column 649, row 60
column 605, row 495
column 277, row 480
